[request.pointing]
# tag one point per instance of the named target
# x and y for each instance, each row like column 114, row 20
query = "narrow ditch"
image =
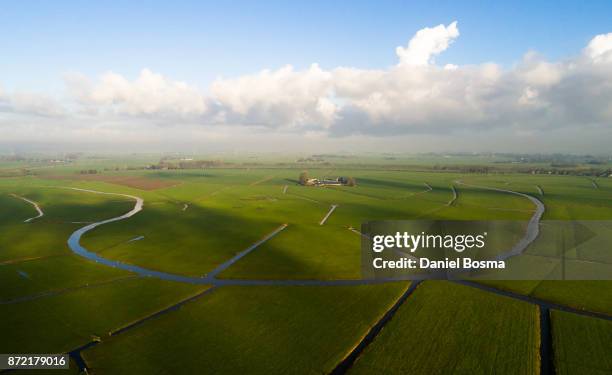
column 174, row 307
column 350, row 359
column 547, row 365
column 78, row 359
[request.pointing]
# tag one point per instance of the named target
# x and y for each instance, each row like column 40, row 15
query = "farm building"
column 338, row 181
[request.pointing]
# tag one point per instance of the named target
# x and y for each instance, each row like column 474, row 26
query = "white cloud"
column 599, row 48
column 284, row 97
column 426, row 44
column 29, row 103
column 149, row 94
column 529, row 97
column 37, row 104
column 534, row 70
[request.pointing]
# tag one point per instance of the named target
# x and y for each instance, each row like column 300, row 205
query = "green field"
column 444, row 326
column 582, row 345
column 262, row 330
column 62, row 322
column 194, row 220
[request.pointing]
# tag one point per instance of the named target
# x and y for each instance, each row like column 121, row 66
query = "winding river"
column 74, row 242
column 533, row 226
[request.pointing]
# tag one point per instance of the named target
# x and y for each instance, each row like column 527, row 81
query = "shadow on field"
column 191, row 242
column 303, row 252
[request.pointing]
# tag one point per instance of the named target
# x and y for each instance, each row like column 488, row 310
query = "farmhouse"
column 327, row 181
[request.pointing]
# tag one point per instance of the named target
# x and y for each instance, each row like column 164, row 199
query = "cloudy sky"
column 379, row 76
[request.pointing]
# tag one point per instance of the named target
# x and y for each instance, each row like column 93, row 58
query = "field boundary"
column 547, row 365
column 536, row 301
column 172, row 307
column 265, row 179
column 36, row 206
column 225, row 265
column 29, row 259
column 452, row 201
column 76, row 355
column 369, row 337
column 331, row 210
column 57, row 292
column 304, row 198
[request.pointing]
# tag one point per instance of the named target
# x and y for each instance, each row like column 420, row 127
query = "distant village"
column 326, row 181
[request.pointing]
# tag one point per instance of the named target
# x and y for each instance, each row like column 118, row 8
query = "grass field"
column 446, row 326
column 582, row 345
column 52, row 274
column 264, row 330
column 63, row 322
column 195, row 220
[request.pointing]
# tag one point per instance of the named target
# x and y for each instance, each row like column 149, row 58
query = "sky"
column 311, row 76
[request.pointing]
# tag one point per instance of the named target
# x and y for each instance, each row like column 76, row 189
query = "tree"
column 303, row 178
column 351, row 181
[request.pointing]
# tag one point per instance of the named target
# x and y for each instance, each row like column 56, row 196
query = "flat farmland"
column 62, row 322
column 582, row 345
column 565, row 197
column 63, row 210
column 193, row 221
column 303, row 251
column 280, row 330
column 55, row 273
column 447, row 326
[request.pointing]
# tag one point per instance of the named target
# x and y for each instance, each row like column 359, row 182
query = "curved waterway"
column 74, row 242
column 533, row 226
column 36, row 206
